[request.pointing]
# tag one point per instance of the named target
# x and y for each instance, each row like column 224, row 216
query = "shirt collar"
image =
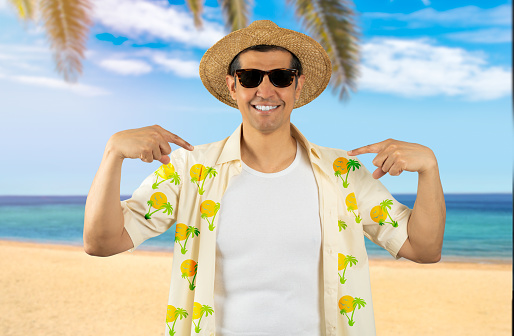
column 232, row 148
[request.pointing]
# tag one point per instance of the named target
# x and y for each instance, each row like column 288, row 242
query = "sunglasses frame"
column 293, row 72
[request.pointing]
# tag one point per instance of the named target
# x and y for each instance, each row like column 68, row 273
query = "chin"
column 266, row 126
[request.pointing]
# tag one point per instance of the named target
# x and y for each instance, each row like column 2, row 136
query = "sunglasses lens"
column 250, row 78
column 281, row 78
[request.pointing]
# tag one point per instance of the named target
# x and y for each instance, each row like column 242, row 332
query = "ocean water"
column 478, row 226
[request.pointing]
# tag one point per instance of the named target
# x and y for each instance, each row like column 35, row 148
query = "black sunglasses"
column 251, row 78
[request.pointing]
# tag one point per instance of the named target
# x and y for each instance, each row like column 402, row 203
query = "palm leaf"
column 331, row 22
column 67, row 25
column 236, row 13
column 25, row 8
column 196, row 7
column 359, row 303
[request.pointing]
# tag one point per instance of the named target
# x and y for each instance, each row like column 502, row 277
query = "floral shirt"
column 189, row 190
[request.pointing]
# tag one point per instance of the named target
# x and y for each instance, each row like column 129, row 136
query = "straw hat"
column 315, row 62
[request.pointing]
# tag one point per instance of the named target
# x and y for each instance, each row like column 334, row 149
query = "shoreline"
column 373, row 259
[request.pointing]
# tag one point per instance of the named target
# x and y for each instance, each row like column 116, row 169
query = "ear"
column 299, row 86
column 231, row 84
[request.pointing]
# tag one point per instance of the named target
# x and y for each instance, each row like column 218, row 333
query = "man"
column 270, row 227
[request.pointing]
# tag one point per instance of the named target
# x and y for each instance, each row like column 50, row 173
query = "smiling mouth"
column 265, row 108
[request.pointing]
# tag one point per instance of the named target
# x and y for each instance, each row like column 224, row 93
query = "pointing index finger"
column 373, row 148
column 178, row 140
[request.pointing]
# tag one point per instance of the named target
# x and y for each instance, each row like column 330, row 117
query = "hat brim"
column 314, row 59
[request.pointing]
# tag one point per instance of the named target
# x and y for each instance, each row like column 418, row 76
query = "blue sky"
column 436, row 73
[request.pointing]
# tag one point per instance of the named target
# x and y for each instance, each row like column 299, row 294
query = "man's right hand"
column 146, row 143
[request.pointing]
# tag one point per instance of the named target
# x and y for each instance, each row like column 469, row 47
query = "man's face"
column 255, row 102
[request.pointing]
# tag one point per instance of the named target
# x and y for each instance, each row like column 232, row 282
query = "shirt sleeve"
column 152, row 208
column 384, row 219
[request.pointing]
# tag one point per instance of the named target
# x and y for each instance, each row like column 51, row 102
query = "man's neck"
column 268, row 153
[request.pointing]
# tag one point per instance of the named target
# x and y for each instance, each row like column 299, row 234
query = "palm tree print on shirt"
column 198, row 173
column 343, row 262
column 351, row 205
column 342, row 225
column 198, row 312
column 172, row 315
column 348, row 304
column 209, row 209
column 189, row 268
column 158, row 201
column 343, row 166
column 183, row 232
column 379, row 213
column 166, row 172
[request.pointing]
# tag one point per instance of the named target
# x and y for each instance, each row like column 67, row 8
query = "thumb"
column 378, row 173
column 165, row 159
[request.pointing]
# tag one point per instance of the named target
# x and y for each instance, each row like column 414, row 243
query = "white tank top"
column 268, row 253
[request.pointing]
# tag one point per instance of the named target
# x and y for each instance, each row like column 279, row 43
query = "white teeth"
column 265, row 107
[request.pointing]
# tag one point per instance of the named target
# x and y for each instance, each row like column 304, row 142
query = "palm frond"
column 25, row 8
column 67, row 24
column 196, row 7
column 236, row 13
column 331, row 23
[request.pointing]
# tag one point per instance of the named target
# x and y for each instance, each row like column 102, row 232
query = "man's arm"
column 425, row 227
column 104, row 232
column 426, row 223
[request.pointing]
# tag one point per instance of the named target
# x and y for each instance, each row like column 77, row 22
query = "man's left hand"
column 394, row 156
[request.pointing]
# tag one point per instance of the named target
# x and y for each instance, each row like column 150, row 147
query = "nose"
column 265, row 89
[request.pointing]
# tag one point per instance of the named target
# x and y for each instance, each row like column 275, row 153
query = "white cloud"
column 468, row 16
column 426, row 2
column 179, row 67
column 138, row 18
column 80, row 89
column 23, row 57
column 418, row 68
column 126, row 67
column 492, row 35
column 26, row 51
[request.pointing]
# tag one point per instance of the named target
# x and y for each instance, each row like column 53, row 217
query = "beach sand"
column 60, row 290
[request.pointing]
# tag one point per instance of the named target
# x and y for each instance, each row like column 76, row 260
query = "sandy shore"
column 60, row 290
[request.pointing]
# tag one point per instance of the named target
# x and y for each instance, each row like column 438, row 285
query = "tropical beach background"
column 432, row 72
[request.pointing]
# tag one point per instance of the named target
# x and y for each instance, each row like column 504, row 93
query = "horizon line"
column 448, row 193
